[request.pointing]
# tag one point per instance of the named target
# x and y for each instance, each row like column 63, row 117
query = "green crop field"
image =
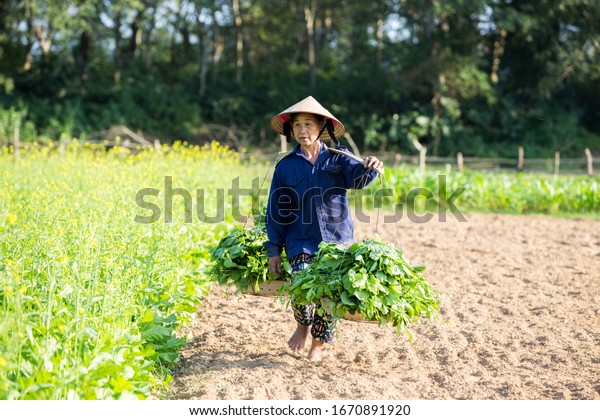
column 98, row 275
column 89, row 299
column 502, row 192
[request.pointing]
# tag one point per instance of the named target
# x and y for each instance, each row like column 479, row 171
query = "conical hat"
column 310, row 106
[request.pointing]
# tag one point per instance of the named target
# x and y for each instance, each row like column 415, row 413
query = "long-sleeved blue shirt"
column 308, row 204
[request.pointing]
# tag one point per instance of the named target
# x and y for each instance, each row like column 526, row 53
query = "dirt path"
column 521, row 321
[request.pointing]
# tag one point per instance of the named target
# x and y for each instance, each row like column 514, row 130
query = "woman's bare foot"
column 314, row 354
column 298, row 339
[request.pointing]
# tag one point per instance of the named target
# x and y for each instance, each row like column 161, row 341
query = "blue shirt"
column 308, row 204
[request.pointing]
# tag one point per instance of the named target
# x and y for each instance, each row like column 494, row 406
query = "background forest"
column 477, row 76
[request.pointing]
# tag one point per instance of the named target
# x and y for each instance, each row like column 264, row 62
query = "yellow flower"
column 9, row 292
column 11, row 218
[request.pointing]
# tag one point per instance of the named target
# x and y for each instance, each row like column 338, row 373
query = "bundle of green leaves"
column 240, row 259
column 369, row 278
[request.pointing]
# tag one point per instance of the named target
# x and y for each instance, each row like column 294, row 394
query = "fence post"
column 16, row 140
column 422, row 157
column 590, row 162
column 397, row 160
column 459, row 161
column 520, row 162
column 352, row 144
column 283, row 142
column 124, row 147
column 556, row 163
column 157, row 145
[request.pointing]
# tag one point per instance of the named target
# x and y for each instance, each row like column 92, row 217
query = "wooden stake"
column 520, row 162
column 422, row 157
column 397, row 160
column 283, row 142
column 352, row 144
column 459, row 161
column 556, row 163
column 590, row 162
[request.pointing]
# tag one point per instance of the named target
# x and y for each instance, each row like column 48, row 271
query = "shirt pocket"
column 332, row 176
column 292, row 181
column 293, row 191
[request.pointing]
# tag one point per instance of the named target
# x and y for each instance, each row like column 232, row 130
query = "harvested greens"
column 240, row 259
column 370, row 278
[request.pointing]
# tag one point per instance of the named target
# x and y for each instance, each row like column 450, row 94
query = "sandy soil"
column 521, row 320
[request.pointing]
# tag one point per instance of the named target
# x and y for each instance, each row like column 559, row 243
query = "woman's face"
column 306, row 128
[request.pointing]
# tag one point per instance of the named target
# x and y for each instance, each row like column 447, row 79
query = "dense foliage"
column 480, row 77
column 240, row 259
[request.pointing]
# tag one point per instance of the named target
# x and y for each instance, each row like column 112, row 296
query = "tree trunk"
column 309, row 17
column 84, row 55
column 326, row 30
column 497, row 54
column 218, row 47
column 148, row 40
column 379, row 35
column 28, row 63
column 239, row 41
column 136, row 35
column 117, row 52
column 203, row 41
column 45, row 40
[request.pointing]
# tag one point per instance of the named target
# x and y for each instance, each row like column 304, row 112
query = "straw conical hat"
column 310, row 106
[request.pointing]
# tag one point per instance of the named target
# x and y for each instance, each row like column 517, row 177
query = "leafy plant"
column 158, row 334
column 241, row 259
column 370, row 278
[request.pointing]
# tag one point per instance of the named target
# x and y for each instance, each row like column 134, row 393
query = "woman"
column 308, row 204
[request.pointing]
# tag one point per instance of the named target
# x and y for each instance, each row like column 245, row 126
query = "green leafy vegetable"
column 241, row 259
column 368, row 278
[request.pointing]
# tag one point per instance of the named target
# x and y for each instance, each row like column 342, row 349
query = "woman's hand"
column 275, row 266
column 371, row 162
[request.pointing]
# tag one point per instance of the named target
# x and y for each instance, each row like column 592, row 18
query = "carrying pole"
column 353, row 157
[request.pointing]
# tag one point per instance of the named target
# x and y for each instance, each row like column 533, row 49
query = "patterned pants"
column 321, row 326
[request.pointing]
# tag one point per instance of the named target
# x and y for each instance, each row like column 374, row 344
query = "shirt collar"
column 298, row 152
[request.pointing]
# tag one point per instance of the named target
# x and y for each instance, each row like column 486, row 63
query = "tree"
column 471, row 76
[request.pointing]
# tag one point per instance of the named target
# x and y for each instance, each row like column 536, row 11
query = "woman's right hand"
column 275, row 266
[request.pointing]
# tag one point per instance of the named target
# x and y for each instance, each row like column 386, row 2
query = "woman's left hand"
column 372, row 162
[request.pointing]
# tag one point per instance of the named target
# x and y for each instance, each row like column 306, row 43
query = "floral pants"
column 321, row 326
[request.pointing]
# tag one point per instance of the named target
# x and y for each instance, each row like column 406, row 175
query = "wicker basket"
column 270, row 288
column 358, row 318
column 348, row 317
